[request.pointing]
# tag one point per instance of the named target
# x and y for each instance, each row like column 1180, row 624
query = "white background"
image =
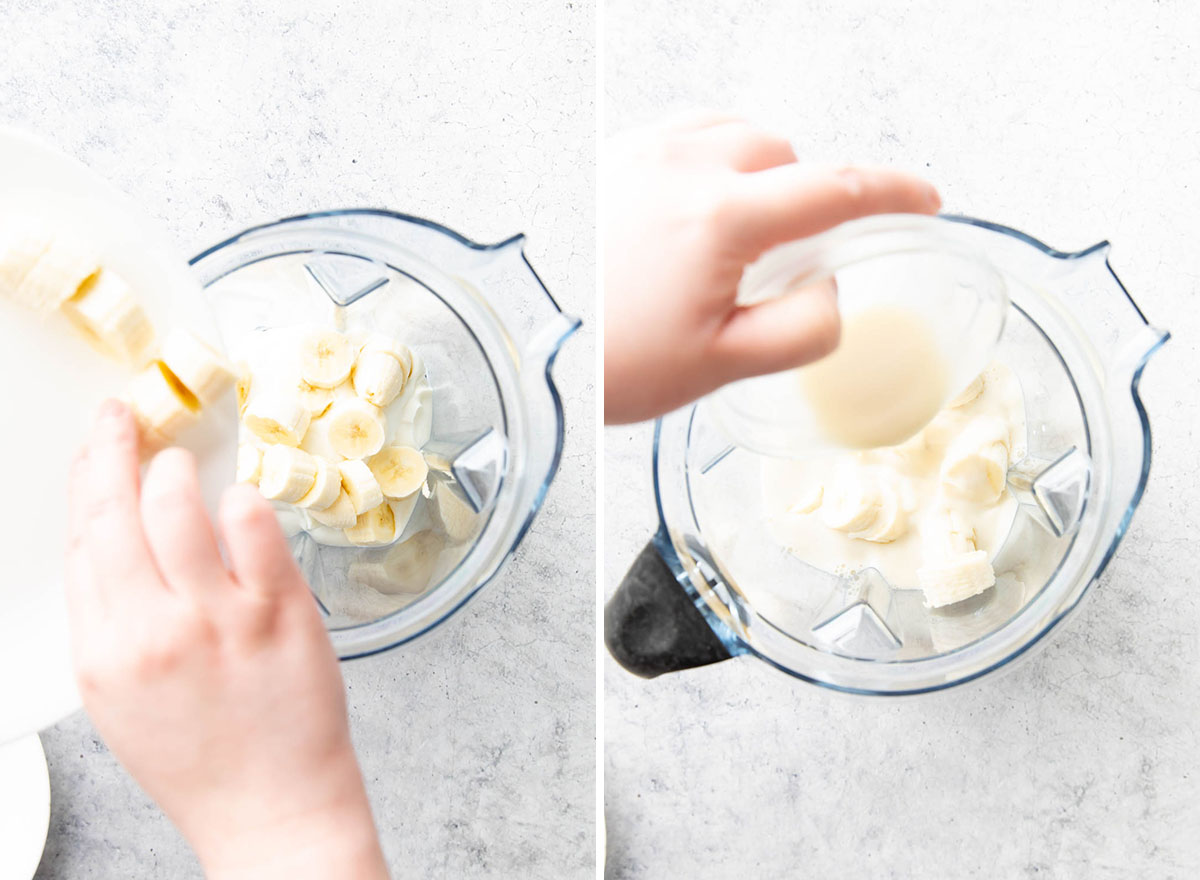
column 478, row 743
column 1074, row 122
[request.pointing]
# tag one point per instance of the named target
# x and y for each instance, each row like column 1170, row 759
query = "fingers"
column 778, row 334
column 177, row 527
column 790, row 202
column 695, row 120
column 258, row 552
column 742, row 147
column 119, row 559
column 84, row 603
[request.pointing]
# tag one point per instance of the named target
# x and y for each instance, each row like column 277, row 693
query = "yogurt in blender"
column 929, row 513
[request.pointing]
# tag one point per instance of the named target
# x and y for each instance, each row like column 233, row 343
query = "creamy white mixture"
column 273, row 359
column 899, row 509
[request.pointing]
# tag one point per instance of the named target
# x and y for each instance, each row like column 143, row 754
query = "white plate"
column 24, row 807
column 52, row 384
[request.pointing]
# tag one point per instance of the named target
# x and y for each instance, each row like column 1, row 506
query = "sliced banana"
column 106, row 310
column 326, row 358
column 373, row 527
column 889, row 523
column 201, row 369
column 400, row 470
column 360, row 484
column 287, row 473
column 326, row 487
column 277, row 418
column 455, row 514
column 355, row 428
column 952, row 580
column 57, row 275
column 410, row 564
column 20, row 249
column 318, row 400
column 379, row 376
column 249, row 463
column 809, row 500
column 163, row 408
column 242, row 386
column 339, row 515
column 850, row 504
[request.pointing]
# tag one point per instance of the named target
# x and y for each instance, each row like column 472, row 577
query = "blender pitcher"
column 713, row 584
column 488, row 332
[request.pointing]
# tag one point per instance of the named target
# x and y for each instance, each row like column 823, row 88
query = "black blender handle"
column 651, row 624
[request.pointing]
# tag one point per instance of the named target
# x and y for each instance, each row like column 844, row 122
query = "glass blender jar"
column 713, row 584
column 488, row 332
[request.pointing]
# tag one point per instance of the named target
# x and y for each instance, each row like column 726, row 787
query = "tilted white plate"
column 52, row 381
column 24, row 807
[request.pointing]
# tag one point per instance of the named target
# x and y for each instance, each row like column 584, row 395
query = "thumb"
column 778, row 334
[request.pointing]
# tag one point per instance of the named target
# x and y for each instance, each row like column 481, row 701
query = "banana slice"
column 339, row 515
column 850, row 504
column 400, row 470
column 355, row 428
column 57, row 275
column 374, row 527
column 318, row 400
column 20, row 249
column 889, row 523
column 379, row 376
column 108, row 313
column 287, row 473
column 968, row 394
column 360, row 484
column 249, row 463
column 809, row 500
column 955, row 579
column 242, row 386
column 199, row 367
column 163, row 408
column 326, row 487
column 326, row 358
column 976, row 463
column 277, row 418
column 410, row 564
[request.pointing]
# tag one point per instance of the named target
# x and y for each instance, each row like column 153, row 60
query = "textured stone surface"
column 1071, row 121
column 477, row 743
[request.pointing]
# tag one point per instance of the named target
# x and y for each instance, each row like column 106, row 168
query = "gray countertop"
column 478, row 743
column 1074, row 122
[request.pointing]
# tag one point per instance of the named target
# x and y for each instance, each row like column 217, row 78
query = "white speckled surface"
column 1073, row 122
column 477, row 743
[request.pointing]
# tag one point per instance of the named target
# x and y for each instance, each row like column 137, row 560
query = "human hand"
column 689, row 204
column 216, row 686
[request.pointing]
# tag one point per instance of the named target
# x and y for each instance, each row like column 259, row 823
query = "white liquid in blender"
column 885, row 381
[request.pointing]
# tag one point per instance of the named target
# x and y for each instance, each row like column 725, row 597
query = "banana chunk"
column 355, row 428
column 287, row 473
column 956, row 578
column 108, row 313
column 242, row 386
column 325, row 489
column 276, row 418
column 360, row 484
column 968, row 394
column 249, row 463
column 374, row 527
column 326, row 358
column 318, row 400
column 339, row 515
column 850, row 504
column 400, row 470
column 162, row 407
column 199, row 367
column 381, row 373
column 59, row 272
column 889, row 523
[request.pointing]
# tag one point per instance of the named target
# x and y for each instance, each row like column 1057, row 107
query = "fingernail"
column 935, row 200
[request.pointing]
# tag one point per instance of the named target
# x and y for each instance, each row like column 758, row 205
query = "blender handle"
column 651, row 624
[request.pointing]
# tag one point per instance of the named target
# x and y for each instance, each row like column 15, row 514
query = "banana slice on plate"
column 57, row 275
column 956, row 578
column 287, row 473
column 277, row 418
column 355, row 428
column 108, row 313
column 198, row 366
column 400, row 470
column 163, row 408
column 20, row 248
column 326, row 358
